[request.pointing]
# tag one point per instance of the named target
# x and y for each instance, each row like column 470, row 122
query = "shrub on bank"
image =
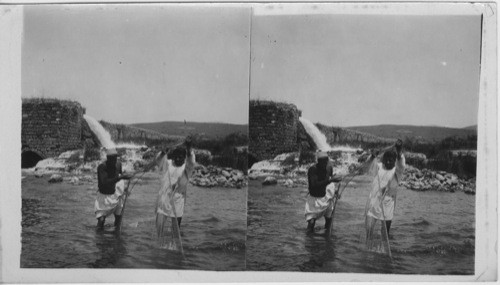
column 289, row 160
column 232, row 158
column 306, row 157
column 225, row 151
column 91, row 154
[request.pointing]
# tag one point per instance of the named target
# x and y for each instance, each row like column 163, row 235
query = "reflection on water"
column 59, row 229
column 432, row 233
column 111, row 247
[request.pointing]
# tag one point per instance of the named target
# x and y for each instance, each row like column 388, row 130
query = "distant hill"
column 212, row 130
column 426, row 133
column 471, row 128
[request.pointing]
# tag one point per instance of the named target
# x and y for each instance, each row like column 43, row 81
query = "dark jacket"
column 106, row 181
column 318, row 180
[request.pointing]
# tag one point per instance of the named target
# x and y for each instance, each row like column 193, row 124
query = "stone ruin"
column 274, row 128
column 53, row 126
column 49, row 127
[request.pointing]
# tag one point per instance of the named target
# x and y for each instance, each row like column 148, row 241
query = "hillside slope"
column 428, row 133
column 183, row 129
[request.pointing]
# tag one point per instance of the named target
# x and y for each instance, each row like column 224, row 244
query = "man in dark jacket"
column 319, row 176
column 111, row 188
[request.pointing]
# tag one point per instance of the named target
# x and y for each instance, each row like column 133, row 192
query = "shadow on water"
column 111, row 246
column 320, row 250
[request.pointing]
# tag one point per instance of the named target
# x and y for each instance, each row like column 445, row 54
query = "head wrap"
column 111, row 152
column 322, row 154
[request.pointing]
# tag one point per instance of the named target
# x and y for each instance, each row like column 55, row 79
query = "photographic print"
column 363, row 139
column 134, row 136
column 255, row 142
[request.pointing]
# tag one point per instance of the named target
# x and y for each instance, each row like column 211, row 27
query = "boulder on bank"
column 55, row 178
column 211, row 176
column 288, row 183
column 425, row 179
column 270, row 180
column 439, row 177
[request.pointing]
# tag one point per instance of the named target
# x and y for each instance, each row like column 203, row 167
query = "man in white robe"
column 174, row 178
column 387, row 174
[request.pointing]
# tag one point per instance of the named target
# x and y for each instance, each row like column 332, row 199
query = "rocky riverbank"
column 211, row 176
column 284, row 170
column 425, row 180
column 70, row 168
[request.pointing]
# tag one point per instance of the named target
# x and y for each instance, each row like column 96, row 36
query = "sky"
column 150, row 63
column 140, row 63
column 358, row 70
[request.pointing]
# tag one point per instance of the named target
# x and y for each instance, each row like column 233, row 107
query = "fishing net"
column 361, row 169
column 375, row 236
column 380, row 205
column 167, row 229
column 168, row 233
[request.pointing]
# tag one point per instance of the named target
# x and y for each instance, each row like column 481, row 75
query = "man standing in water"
column 111, row 187
column 387, row 174
column 319, row 176
column 174, row 175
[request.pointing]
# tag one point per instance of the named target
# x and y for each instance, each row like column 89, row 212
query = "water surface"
column 432, row 233
column 58, row 229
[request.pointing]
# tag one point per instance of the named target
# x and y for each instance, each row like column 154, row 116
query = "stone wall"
column 272, row 129
column 123, row 133
column 340, row 136
column 50, row 126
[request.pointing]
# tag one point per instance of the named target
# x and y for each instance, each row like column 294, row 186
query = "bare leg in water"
column 100, row 222
column 310, row 225
column 328, row 223
column 174, row 228
column 384, row 231
column 118, row 220
column 160, row 223
column 369, row 224
column 388, row 225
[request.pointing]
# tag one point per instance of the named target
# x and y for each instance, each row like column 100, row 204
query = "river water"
column 58, row 229
column 432, row 233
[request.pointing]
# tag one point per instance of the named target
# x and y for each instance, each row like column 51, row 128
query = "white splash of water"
column 266, row 165
column 318, row 137
column 51, row 164
column 130, row 146
column 345, row 148
column 101, row 133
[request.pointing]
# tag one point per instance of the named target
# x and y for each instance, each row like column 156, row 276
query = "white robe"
column 384, row 181
column 106, row 205
column 173, row 186
column 319, row 207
